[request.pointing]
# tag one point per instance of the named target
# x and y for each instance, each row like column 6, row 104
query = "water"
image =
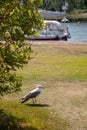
column 78, row 31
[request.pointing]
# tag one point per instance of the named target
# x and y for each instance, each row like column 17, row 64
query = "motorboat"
column 52, row 30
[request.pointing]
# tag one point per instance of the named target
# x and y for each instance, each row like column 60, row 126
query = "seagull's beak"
column 42, row 87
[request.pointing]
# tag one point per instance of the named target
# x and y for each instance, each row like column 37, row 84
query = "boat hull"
column 47, row 38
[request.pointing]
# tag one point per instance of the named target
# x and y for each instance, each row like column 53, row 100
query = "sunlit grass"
column 35, row 117
column 59, row 66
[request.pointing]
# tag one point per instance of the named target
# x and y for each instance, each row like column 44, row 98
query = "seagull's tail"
column 24, row 100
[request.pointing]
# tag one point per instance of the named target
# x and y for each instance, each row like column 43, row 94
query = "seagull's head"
column 40, row 86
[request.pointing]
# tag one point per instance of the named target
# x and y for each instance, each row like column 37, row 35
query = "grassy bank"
column 62, row 69
column 78, row 16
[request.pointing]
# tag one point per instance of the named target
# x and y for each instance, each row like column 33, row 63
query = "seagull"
column 32, row 94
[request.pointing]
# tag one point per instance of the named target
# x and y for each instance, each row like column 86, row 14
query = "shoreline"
column 57, row 42
column 77, row 20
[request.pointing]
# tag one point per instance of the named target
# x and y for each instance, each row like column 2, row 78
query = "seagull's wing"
column 35, row 94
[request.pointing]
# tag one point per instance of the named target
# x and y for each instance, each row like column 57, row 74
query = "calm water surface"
column 78, row 31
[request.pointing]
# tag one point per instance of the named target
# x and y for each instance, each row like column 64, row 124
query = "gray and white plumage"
column 32, row 94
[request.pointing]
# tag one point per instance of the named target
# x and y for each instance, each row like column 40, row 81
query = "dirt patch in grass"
column 69, row 101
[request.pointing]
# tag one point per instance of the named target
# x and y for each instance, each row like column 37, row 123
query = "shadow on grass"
column 38, row 105
column 9, row 122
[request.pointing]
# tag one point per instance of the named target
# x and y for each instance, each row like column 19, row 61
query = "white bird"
column 32, row 94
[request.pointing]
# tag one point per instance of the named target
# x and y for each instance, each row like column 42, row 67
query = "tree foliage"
column 17, row 18
column 56, row 5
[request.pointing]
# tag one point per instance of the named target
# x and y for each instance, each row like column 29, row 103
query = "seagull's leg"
column 33, row 100
column 36, row 101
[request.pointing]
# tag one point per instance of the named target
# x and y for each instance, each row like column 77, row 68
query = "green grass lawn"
column 62, row 70
column 59, row 63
